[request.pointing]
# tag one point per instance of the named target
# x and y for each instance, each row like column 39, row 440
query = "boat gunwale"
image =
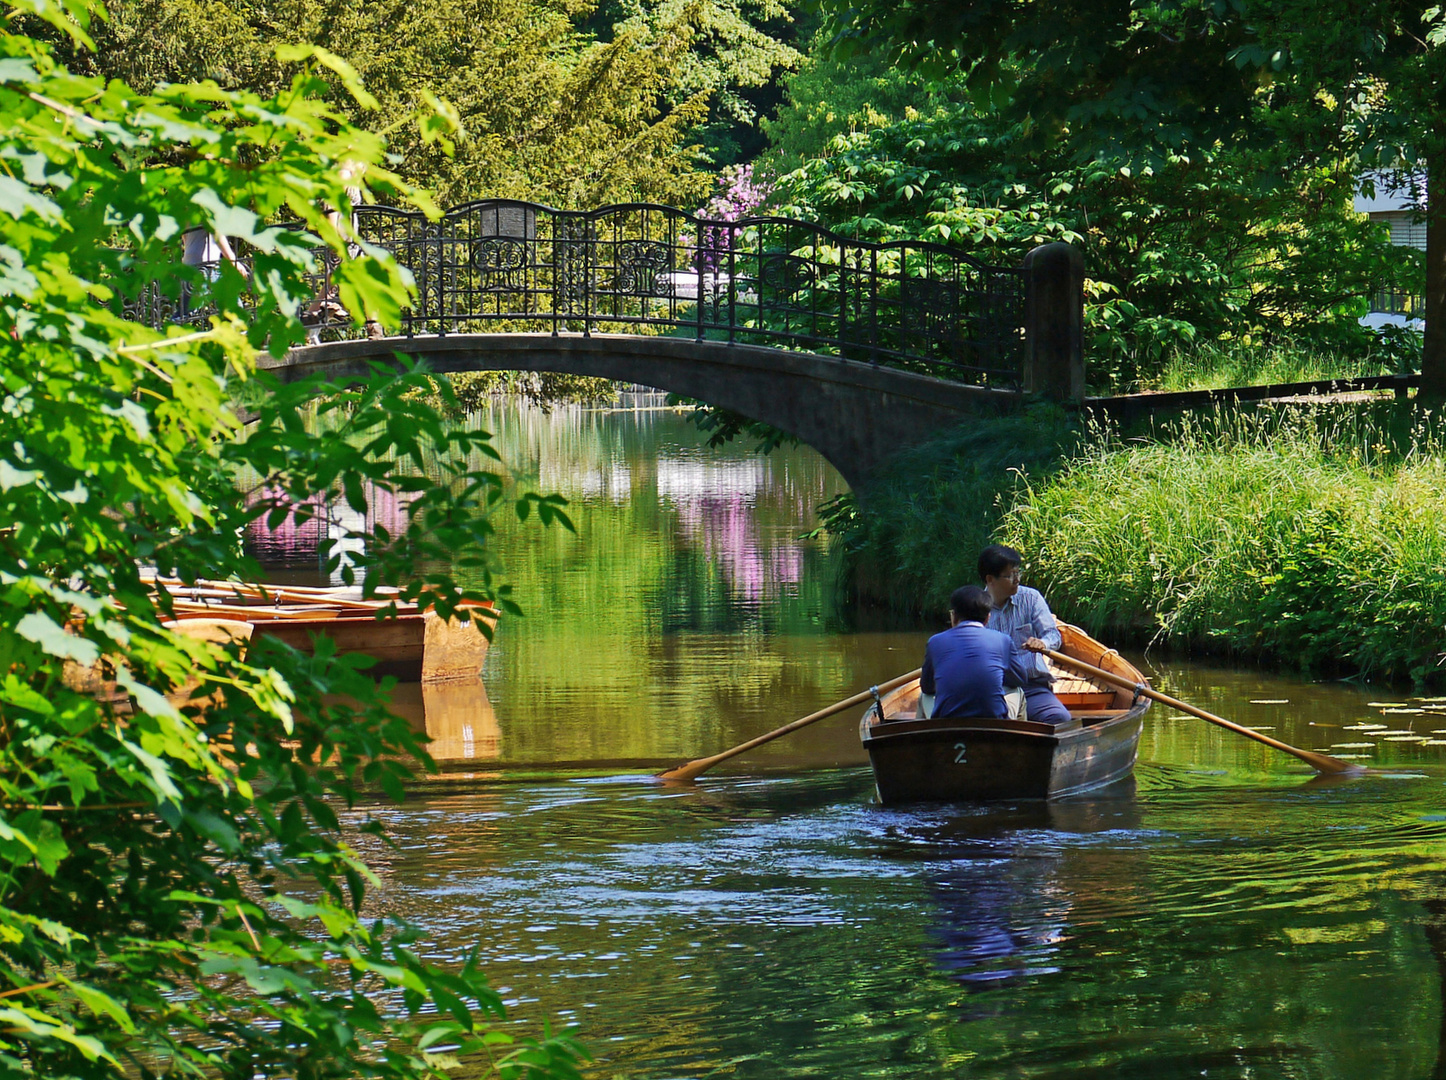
column 873, row 730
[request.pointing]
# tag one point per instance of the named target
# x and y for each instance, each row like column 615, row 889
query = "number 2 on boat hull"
column 959, row 751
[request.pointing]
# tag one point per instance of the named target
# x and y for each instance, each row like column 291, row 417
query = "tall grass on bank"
column 1313, row 538
column 1305, row 537
column 1217, row 365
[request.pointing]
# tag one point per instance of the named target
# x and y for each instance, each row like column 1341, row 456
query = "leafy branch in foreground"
column 176, row 894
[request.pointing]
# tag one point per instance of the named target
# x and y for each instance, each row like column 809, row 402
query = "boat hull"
column 410, row 646
column 960, row 760
column 396, row 644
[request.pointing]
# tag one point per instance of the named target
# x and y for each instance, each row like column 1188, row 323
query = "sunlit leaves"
column 133, row 845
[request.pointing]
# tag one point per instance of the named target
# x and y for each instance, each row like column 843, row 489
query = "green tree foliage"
column 738, row 47
column 177, row 896
column 1270, row 84
column 1175, row 253
column 548, row 113
column 828, row 96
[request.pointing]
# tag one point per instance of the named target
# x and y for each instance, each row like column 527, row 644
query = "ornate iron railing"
column 499, row 265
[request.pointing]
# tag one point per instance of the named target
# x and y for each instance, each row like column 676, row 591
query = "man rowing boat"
column 1021, row 614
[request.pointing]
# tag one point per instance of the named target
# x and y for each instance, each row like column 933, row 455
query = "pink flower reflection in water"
column 717, row 507
column 293, row 540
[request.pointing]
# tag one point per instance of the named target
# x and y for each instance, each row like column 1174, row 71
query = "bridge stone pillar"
column 1054, row 323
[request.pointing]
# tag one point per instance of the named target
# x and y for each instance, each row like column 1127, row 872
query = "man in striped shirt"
column 1021, row 613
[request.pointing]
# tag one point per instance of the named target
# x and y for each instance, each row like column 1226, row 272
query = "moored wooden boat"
column 412, row 645
column 980, row 758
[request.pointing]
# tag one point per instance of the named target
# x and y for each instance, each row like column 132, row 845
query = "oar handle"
column 1320, row 762
column 689, row 770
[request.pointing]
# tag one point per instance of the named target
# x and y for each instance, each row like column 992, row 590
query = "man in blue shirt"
column 1021, row 614
column 967, row 667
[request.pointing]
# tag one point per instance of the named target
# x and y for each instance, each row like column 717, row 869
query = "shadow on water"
column 1434, row 901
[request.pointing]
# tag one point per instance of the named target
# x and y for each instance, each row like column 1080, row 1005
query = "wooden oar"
column 1322, row 763
column 690, row 769
column 261, row 613
column 274, row 593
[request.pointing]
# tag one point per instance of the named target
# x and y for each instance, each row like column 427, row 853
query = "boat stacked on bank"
column 969, row 758
column 412, row 644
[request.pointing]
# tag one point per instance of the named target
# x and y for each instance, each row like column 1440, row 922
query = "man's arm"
column 1045, row 627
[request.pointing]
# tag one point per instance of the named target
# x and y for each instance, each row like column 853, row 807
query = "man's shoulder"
column 1031, row 597
column 943, row 637
column 988, row 635
column 965, row 631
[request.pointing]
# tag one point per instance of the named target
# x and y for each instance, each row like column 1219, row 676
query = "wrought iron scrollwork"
column 765, row 281
column 571, row 242
column 639, row 264
column 785, row 279
column 502, row 263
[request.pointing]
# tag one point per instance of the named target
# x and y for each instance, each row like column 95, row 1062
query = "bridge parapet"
column 508, row 267
column 760, row 281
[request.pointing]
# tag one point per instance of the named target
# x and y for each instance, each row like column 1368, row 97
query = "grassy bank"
column 1313, row 539
column 1215, row 365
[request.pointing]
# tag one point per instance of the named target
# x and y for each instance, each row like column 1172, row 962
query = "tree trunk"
column 1433, row 356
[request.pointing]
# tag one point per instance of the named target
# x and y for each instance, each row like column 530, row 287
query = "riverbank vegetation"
column 1310, row 537
column 1237, row 247
column 1207, row 166
column 180, row 894
column 1218, row 365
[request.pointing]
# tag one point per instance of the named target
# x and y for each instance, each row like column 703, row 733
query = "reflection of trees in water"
column 685, row 605
column 1240, row 935
column 295, row 544
column 1434, row 901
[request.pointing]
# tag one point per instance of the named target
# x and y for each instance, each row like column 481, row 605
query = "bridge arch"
column 858, row 349
column 856, row 414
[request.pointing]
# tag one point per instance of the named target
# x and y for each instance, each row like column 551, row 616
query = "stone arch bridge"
column 858, row 349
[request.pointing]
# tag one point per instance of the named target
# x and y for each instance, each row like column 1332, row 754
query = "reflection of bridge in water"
column 859, row 349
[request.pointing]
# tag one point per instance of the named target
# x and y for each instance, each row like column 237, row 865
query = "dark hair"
column 971, row 604
column 996, row 559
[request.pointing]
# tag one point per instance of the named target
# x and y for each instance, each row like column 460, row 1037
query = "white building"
column 1399, row 207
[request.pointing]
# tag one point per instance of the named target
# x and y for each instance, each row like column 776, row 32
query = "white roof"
column 1402, row 195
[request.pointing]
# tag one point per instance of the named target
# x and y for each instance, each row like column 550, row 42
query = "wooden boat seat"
column 1076, row 691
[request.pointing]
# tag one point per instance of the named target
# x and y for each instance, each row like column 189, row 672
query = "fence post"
column 1054, row 322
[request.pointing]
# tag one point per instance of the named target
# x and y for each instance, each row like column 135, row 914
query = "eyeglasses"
column 1012, row 574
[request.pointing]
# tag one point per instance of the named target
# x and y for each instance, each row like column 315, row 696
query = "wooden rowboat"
column 979, row 758
column 413, row 645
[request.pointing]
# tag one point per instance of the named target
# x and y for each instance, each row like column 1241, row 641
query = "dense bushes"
column 915, row 535
column 1307, row 538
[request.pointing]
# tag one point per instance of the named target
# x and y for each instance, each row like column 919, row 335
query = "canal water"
column 1225, row 916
